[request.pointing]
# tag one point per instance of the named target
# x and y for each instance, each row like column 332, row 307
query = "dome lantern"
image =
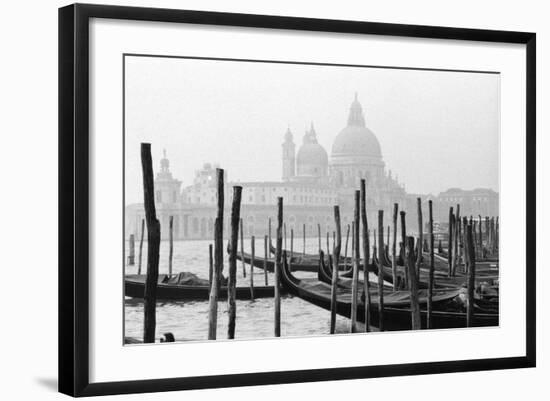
column 164, row 162
column 356, row 118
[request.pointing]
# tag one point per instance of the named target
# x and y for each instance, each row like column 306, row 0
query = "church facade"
column 312, row 183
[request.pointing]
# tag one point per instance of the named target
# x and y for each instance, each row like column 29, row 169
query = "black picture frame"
column 74, row 198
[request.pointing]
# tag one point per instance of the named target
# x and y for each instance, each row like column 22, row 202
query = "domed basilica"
column 312, row 183
column 355, row 155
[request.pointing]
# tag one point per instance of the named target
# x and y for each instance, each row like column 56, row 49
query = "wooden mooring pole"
column 394, row 247
column 374, row 247
column 210, row 265
column 471, row 278
column 291, row 249
column 455, row 238
column 465, row 241
column 488, row 234
column 404, row 245
column 141, row 245
column 215, row 284
column 387, row 246
column 356, row 257
column 171, row 240
column 494, row 230
column 218, row 259
column 380, row 270
column 278, row 267
column 328, row 244
column 366, row 254
column 266, row 253
column 460, row 258
column 415, row 306
column 420, row 236
column 335, row 258
column 450, row 244
column 242, row 247
column 352, row 242
column 346, row 249
column 252, row 255
column 431, row 272
column 497, row 235
column 474, row 235
column 269, row 235
column 153, row 245
column 480, row 239
column 132, row 250
column 233, row 249
column 218, row 235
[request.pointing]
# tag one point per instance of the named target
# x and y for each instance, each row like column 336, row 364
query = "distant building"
column 312, row 183
column 479, row 201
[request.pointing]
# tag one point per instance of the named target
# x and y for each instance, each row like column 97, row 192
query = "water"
column 188, row 320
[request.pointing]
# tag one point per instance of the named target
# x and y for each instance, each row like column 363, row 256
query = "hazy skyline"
column 437, row 129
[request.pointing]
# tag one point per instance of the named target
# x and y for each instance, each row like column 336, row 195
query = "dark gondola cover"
column 134, row 287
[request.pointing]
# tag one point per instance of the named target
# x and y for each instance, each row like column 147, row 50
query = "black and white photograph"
column 272, row 198
column 275, row 200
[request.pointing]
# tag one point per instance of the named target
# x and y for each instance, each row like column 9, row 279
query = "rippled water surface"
column 188, row 320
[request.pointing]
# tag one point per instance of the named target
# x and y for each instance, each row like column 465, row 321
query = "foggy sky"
column 436, row 129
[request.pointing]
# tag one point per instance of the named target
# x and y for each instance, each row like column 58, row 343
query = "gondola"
column 443, row 254
column 310, row 258
column 324, row 274
column 484, row 275
column 298, row 263
column 168, row 289
column 486, row 295
column 447, row 311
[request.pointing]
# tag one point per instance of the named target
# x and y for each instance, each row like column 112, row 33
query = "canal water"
column 188, row 320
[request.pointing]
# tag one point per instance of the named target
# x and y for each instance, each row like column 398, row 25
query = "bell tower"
column 167, row 188
column 289, row 157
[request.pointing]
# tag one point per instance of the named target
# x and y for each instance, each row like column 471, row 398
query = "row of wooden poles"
column 485, row 240
column 217, row 268
column 485, row 243
column 485, row 232
column 412, row 262
column 153, row 246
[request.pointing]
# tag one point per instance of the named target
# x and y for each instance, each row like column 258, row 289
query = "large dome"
column 356, row 139
column 312, row 158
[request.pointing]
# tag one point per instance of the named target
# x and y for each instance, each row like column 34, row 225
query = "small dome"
column 312, row 154
column 312, row 158
column 356, row 139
